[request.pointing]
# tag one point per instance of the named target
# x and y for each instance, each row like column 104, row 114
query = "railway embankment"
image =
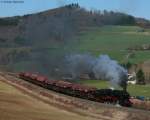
column 75, row 105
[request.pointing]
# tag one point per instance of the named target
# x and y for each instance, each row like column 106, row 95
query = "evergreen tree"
column 140, row 77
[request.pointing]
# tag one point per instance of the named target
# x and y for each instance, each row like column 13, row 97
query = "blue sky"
column 139, row 8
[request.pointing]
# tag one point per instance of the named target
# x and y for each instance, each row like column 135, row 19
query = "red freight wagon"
column 41, row 78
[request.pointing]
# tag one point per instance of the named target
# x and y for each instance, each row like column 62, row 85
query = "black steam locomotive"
column 76, row 90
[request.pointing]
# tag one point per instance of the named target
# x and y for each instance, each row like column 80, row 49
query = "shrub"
column 140, row 77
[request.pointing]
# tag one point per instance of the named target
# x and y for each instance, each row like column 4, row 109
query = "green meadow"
column 134, row 90
column 115, row 41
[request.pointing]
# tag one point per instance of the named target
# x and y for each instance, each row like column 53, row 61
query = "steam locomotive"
column 76, row 90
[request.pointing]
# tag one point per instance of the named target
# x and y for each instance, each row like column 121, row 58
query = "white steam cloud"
column 102, row 67
column 108, row 69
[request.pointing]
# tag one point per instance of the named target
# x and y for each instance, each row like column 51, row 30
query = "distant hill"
column 59, row 24
column 38, row 41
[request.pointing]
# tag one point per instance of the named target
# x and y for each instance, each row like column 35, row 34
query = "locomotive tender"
column 76, row 90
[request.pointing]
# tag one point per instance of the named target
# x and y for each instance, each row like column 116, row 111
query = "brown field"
column 16, row 106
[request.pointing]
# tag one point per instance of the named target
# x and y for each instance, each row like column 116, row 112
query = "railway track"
column 77, row 105
column 49, row 97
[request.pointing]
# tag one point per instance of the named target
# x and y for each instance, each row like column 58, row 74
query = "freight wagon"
column 81, row 91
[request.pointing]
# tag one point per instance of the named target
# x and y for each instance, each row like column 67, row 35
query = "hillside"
column 38, row 42
column 116, row 41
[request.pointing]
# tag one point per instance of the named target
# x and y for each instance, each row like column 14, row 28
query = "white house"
column 132, row 78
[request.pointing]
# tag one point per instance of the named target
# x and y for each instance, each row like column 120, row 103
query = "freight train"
column 109, row 96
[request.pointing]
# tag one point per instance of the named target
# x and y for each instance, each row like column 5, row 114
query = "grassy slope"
column 114, row 41
column 111, row 40
column 135, row 90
